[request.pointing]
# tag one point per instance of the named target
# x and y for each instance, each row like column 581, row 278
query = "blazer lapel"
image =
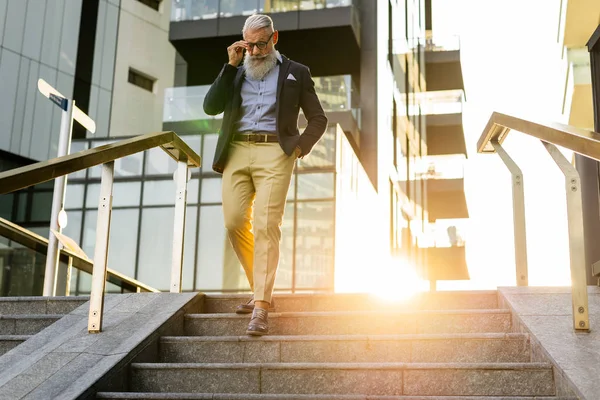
column 283, row 73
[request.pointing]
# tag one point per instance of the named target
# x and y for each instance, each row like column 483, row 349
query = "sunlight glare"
column 396, row 281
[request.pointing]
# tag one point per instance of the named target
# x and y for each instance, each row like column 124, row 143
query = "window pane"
column 155, row 247
column 189, row 249
column 286, row 252
column 74, row 196
column 125, row 194
column 208, row 151
column 22, row 207
column 159, row 163
column 159, row 192
column 6, row 206
column 239, row 7
column 163, row 192
column 122, row 240
column 314, row 245
column 211, row 190
column 192, row 195
column 41, row 206
column 73, row 229
column 218, row 266
column 315, row 186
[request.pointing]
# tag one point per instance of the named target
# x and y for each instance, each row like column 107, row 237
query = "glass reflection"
column 122, row 241
column 156, row 242
column 315, row 245
column 218, row 267
column 286, row 250
column 211, row 190
column 316, row 186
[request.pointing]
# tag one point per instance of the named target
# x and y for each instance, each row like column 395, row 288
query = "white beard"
column 258, row 67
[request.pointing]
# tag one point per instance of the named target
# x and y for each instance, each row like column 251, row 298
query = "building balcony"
column 443, row 70
column 183, row 111
column 443, row 116
column 444, row 250
column 578, row 99
column 201, row 30
column 445, row 186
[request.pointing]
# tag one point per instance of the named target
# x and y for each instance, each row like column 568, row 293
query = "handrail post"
column 181, row 179
column 58, row 200
column 101, row 249
column 520, row 233
column 576, row 238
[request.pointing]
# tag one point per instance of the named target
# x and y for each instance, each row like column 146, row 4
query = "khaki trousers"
column 256, row 180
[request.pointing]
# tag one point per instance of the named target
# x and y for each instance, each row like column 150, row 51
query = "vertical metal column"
column 101, row 249
column 58, row 199
column 576, row 238
column 181, row 179
column 520, row 232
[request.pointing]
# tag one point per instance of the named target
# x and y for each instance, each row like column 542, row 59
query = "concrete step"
column 463, row 348
column 355, row 323
column 233, row 396
column 452, row 379
column 26, row 324
column 360, row 302
column 40, row 305
column 9, row 342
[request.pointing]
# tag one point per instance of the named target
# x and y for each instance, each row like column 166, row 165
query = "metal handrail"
column 33, row 241
column 29, row 175
column 106, row 155
column 584, row 142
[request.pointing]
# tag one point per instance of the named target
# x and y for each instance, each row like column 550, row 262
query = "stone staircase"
column 23, row 317
column 442, row 345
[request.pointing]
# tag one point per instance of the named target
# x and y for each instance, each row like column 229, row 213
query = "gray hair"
column 258, row 21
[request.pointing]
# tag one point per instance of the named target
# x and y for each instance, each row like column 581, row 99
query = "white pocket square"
column 290, row 76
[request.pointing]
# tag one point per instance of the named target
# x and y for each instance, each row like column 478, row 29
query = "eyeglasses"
column 261, row 45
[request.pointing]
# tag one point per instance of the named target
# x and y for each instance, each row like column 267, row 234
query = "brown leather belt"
column 255, row 137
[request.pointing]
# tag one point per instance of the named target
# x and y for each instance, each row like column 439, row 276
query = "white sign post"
column 58, row 218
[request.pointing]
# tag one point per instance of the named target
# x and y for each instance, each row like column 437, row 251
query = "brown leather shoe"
column 258, row 325
column 248, row 307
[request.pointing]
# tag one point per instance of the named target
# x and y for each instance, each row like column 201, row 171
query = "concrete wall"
column 38, row 39
column 143, row 45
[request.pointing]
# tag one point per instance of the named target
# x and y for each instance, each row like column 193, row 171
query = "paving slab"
column 546, row 314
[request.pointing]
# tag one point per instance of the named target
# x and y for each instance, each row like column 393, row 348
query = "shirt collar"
column 278, row 55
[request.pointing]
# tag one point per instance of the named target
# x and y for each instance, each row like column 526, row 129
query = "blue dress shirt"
column 257, row 111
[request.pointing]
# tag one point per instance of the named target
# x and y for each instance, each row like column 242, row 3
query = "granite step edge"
column 297, row 314
column 518, row 366
column 350, row 337
column 230, row 396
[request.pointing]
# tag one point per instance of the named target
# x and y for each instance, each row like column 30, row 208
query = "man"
column 256, row 151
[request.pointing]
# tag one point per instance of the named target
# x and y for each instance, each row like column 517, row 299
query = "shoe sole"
column 255, row 333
